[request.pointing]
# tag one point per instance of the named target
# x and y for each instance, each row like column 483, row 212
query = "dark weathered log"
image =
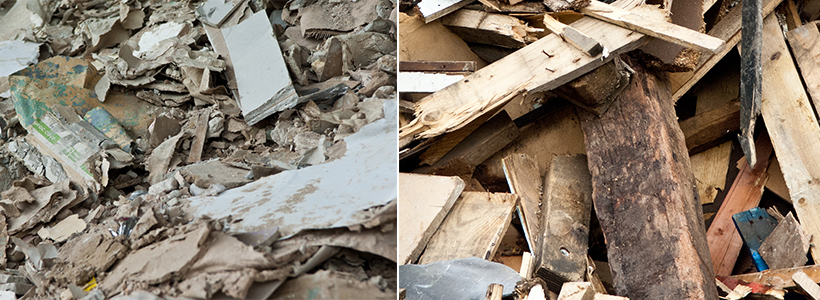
column 645, row 196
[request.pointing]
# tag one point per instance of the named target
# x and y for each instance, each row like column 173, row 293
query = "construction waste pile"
column 211, row 149
column 572, row 149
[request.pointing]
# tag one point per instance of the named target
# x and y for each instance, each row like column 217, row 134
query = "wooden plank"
column 657, row 28
column 527, row 261
column 706, row 129
column 574, row 37
column 199, row 135
column 482, row 143
column 803, row 43
column 776, row 183
column 728, row 30
column 789, row 10
column 487, row 215
column 567, row 210
column 526, row 70
column 447, row 142
column 805, row 283
column 786, row 246
column 432, row 42
column 724, row 241
column 494, row 292
column 671, row 56
column 424, row 202
column 437, row 66
column 434, row 9
column 474, row 26
column 417, row 82
column 810, row 10
column 710, row 169
column 793, row 128
column 645, row 197
column 780, row 278
column 525, row 181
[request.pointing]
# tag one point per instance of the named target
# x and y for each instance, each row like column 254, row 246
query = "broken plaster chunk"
column 63, row 229
column 163, row 187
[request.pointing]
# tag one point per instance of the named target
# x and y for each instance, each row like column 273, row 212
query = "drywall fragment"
column 63, row 229
column 327, row 17
column 161, row 157
column 40, row 256
column 326, row 284
column 260, row 72
column 215, row 12
column 204, row 174
column 16, row 55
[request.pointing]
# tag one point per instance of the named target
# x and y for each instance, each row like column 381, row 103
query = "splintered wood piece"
column 780, row 278
column 434, row 9
column 576, row 291
column 425, row 201
column 487, row 215
column 728, row 30
column 526, row 266
column 672, row 56
column 789, row 10
column 704, row 129
column 562, row 5
column 482, row 143
column 592, row 277
column 805, row 283
column 595, row 91
column 724, row 241
column 567, row 209
column 576, row 38
column 200, row 135
column 494, row 292
column 793, row 128
column 657, row 28
column 786, row 246
column 645, row 196
column 710, row 169
column 806, row 51
column 475, row 26
column 526, row 70
column 525, row 181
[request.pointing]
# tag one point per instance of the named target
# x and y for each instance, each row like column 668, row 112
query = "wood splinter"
column 574, row 37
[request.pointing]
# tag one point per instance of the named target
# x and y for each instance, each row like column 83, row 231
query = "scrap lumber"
column 487, row 139
column 567, row 210
column 576, row 291
column 447, row 67
column 474, row 26
column 789, row 10
column 674, row 57
column 526, row 265
column 745, row 193
column 803, row 43
column 424, row 200
column 657, row 28
column 596, row 90
column 710, row 169
column 751, row 79
column 786, row 246
column 562, row 5
column 487, row 215
column 574, row 37
column 805, row 283
column 777, row 183
column 199, row 136
column 705, row 129
column 525, row 181
column 793, row 128
column 432, row 42
column 447, row 142
column 543, row 65
column 728, row 30
column 494, row 292
column 780, row 278
column 418, row 82
column 645, row 197
column 434, row 9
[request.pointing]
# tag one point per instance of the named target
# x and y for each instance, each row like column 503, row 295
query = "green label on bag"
column 45, row 131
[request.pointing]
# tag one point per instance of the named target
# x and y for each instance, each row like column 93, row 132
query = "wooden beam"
column 525, row 181
column 724, row 241
column 494, row 292
column 650, row 26
column 645, row 197
column 475, row 26
column 577, row 39
column 789, row 10
column 728, row 30
column 793, row 128
column 808, row 285
column 780, row 278
column 595, row 91
column 567, row 210
column 526, row 70
column 425, row 201
column 803, row 42
column 487, row 215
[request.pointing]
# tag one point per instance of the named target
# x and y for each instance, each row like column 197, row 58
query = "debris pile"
column 587, row 149
column 208, row 149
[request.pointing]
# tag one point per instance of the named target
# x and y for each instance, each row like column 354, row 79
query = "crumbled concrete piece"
column 18, row 195
column 63, row 229
column 145, row 223
column 18, row 288
column 163, row 187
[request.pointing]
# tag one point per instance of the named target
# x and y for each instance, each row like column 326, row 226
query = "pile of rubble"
column 578, row 149
column 209, row 149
